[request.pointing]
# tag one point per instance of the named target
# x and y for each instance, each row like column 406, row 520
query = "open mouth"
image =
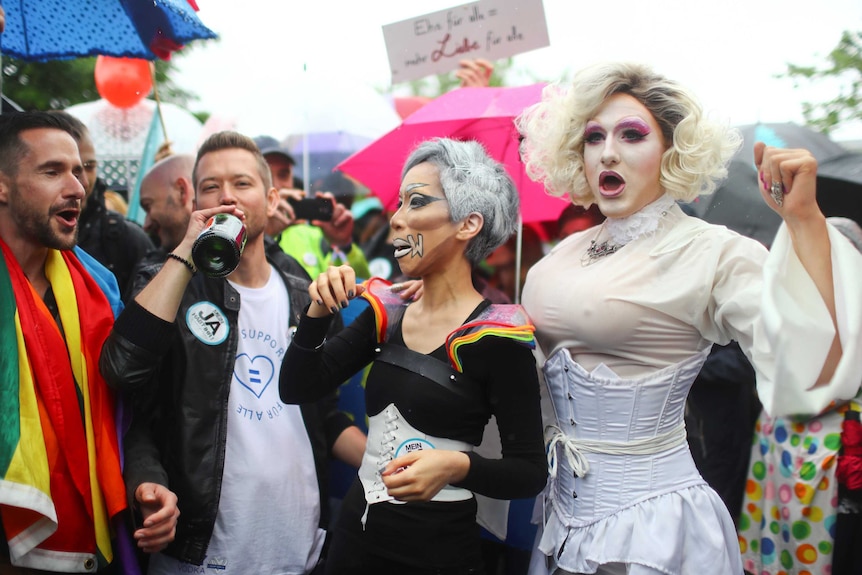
column 68, row 216
column 402, row 247
column 611, row 184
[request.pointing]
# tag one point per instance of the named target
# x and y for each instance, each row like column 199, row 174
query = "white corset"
column 618, row 441
column 390, row 436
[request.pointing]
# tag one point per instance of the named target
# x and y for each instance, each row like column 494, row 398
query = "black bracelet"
column 184, row 261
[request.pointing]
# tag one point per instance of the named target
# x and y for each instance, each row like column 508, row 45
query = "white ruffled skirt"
column 638, row 499
column 684, row 532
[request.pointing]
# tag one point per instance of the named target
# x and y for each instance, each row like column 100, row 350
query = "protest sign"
column 490, row 29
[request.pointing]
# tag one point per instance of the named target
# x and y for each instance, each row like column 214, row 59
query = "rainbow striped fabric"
column 508, row 321
column 379, row 296
column 60, row 478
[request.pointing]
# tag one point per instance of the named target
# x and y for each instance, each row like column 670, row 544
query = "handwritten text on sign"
column 490, row 29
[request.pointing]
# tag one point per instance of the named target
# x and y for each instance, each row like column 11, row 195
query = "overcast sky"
column 727, row 51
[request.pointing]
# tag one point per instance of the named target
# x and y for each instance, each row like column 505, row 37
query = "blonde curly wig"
column 553, row 132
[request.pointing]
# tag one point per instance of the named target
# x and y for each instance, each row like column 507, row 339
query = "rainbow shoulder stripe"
column 383, row 301
column 500, row 320
column 509, row 321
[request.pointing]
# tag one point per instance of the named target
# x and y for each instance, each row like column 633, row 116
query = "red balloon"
column 123, row 81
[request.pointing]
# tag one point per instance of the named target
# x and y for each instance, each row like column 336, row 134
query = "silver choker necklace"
column 598, row 250
column 623, row 230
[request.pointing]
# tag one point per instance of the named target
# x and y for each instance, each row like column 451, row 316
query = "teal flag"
column 155, row 138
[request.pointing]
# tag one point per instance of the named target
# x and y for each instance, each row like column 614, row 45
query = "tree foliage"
column 49, row 85
column 58, row 84
column 843, row 63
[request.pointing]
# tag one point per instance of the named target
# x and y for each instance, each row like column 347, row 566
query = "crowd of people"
column 161, row 420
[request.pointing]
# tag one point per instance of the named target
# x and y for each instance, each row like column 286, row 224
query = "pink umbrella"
column 406, row 105
column 482, row 114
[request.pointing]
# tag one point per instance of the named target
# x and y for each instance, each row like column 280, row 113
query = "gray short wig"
column 472, row 183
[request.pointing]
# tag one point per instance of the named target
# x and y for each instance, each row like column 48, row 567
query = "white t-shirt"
column 269, row 507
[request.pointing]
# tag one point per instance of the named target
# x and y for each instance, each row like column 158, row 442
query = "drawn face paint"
column 411, row 246
column 422, row 226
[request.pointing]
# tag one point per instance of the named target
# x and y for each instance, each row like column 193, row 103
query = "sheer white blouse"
column 669, row 294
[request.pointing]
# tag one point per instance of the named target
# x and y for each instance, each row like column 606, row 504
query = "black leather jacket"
column 179, row 388
column 109, row 237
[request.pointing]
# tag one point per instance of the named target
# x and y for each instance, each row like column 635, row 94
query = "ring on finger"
column 777, row 193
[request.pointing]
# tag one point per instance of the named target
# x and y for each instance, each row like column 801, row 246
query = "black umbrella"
column 788, row 135
column 839, row 186
column 737, row 203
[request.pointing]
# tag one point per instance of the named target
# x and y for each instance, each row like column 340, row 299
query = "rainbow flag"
column 60, row 478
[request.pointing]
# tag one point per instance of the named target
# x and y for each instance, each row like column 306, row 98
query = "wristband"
column 189, row 265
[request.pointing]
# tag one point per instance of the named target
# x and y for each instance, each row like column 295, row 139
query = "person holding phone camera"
column 316, row 235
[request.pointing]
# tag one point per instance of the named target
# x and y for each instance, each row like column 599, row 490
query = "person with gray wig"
column 472, row 182
column 441, row 367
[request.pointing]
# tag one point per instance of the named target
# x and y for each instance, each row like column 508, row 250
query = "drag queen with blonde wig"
column 626, row 313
